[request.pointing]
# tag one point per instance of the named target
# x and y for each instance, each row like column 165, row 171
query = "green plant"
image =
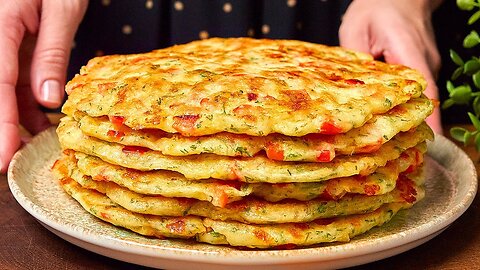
column 466, row 92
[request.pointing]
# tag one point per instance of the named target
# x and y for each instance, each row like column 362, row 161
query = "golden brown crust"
column 242, row 85
column 255, row 169
column 310, row 148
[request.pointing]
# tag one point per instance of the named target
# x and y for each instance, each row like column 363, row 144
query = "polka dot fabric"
column 125, row 26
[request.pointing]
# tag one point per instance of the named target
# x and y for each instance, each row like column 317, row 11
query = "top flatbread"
column 242, row 85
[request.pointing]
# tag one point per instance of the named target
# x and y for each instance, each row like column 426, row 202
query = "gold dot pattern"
column 265, row 29
column 178, row 5
column 149, row 4
column 203, row 35
column 227, row 7
column 127, row 29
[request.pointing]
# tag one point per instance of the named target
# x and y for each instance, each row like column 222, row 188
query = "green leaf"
column 474, row 17
column 476, row 79
column 471, row 66
column 476, row 105
column 475, row 121
column 477, row 142
column 461, row 94
column 450, row 86
column 458, row 133
column 466, row 4
column 457, row 73
column 456, row 58
column 448, row 103
column 471, row 40
column 467, row 137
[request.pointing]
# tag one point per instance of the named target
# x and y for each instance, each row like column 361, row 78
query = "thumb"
column 59, row 22
column 354, row 35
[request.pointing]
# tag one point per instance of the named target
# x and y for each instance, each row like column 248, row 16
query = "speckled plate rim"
column 442, row 151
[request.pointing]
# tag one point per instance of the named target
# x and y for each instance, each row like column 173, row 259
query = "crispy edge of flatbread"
column 278, row 236
column 254, row 169
column 249, row 210
column 310, row 148
column 220, row 193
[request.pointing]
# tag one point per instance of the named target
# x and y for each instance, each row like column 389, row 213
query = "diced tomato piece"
column 134, row 149
column 330, row 128
column 117, row 121
column 410, row 169
column 274, row 151
column 406, row 188
column 324, row 156
column 371, row 189
column 252, row 96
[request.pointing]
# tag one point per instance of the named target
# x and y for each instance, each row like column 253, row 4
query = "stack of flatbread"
column 245, row 142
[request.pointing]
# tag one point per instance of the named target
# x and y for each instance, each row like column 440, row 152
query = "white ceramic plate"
column 451, row 186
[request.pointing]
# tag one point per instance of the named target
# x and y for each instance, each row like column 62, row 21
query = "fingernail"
column 51, row 92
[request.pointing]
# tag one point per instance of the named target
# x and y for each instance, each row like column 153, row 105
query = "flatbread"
column 102, row 207
column 251, row 210
column 255, row 169
column 220, row 193
column 309, row 148
column 340, row 229
column 242, row 85
column 291, row 235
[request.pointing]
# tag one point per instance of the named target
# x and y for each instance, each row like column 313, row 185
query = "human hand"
column 400, row 31
column 35, row 42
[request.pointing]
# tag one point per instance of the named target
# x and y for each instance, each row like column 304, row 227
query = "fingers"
column 400, row 34
column 354, row 34
column 59, row 21
column 11, row 33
